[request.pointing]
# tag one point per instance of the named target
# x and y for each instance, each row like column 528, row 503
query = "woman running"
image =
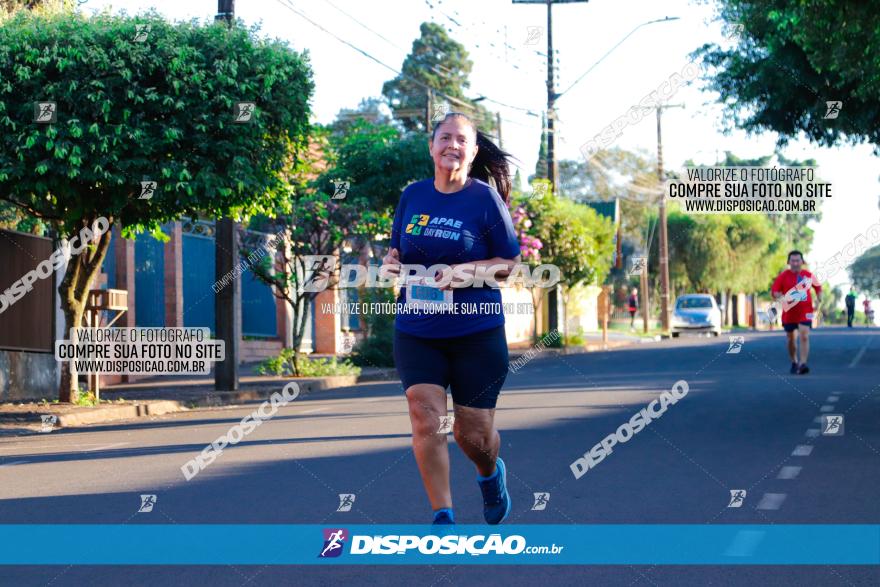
column 453, row 218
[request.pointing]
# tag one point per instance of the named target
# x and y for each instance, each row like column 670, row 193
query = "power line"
column 381, row 36
column 368, row 56
column 458, row 101
column 466, row 28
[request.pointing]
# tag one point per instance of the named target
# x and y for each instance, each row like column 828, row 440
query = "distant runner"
column 850, row 301
column 869, row 311
column 632, row 303
column 792, row 289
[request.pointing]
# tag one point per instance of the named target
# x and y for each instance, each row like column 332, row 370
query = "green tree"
column 133, row 109
column 542, row 167
column 10, row 6
column 828, row 308
column 791, row 58
column 369, row 110
column 436, row 62
column 379, row 161
column 573, row 237
column 864, row 272
column 316, row 226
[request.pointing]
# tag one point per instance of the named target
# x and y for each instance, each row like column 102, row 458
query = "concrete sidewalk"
column 162, row 395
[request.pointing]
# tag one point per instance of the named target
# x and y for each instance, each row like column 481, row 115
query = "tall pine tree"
column 541, row 167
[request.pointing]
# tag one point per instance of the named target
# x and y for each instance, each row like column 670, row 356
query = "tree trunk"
column 69, row 386
column 754, row 320
column 74, row 291
column 563, row 299
column 364, row 255
column 300, row 317
column 734, row 301
column 536, row 303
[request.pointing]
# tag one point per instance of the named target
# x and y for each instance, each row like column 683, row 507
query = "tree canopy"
column 440, row 63
column 791, row 58
column 865, row 272
column 210, row 117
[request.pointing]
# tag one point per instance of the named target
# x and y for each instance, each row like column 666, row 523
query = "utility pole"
column 498, row 124
column 551, row 99
column 664, row 239
column 227, row 304
column 645, row 298
column 552, row 167
column 225, row 11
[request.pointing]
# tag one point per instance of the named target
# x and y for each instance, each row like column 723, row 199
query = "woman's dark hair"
column 490, row 162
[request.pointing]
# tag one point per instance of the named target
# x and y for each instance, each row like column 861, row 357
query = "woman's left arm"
column 503, row 266
column 498, row 268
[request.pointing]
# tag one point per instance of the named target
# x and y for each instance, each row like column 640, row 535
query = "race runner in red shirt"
column 792, row 289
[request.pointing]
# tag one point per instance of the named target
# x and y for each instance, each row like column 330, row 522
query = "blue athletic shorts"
column 473, row 366
column 792, row 326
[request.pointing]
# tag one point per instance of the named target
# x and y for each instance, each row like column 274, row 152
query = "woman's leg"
column 475, row 433
column 427, row 405
column 478, row 371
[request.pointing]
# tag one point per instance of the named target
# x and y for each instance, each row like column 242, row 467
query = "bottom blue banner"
column 627, row 544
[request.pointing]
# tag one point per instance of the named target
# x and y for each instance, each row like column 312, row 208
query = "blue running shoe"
column 443, row 517
column 496, row 499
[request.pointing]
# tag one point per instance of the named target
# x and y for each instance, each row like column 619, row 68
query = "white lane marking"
column 826, row 408
column 744, row 543
column 114, row 445
column 314, row 411
column 771, row 501
column 813, row 432
column 788, row 472
column 374, row 399
column 832, row 399
column 803, row 450
column 861, row 352
column 14, row 463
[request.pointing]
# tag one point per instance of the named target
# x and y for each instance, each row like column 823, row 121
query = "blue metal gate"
column 198, row 277
column 149, row 281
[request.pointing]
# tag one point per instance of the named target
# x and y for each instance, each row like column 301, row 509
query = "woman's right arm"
column 391, row 261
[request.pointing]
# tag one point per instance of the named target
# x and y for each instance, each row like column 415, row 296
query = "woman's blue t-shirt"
column 431, row 227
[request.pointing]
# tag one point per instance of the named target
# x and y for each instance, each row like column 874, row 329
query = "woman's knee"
column 426, row 408
column 477, row 434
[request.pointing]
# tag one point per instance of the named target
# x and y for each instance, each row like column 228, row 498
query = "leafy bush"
column 283, row 364
column 375, row 350
column 576, row 339
column 548, row 341
column 86, row 399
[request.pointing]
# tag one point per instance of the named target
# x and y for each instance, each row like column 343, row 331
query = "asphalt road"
column 743, row 425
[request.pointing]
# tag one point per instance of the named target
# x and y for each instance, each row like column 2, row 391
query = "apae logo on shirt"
column 431, row 226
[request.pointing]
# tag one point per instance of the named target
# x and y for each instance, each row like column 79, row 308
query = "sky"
column 508, row 69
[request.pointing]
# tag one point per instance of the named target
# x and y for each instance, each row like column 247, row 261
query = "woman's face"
column 454, row 146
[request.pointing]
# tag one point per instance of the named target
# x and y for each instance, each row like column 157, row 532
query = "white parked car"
column 696, row 313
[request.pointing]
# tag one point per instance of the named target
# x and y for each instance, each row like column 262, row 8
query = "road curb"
column 95, row 415
column 74, row 416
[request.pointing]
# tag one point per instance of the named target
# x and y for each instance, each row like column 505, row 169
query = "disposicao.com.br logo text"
column 451, row 544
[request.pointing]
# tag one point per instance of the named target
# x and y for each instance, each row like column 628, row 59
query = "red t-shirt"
column 802, row 310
